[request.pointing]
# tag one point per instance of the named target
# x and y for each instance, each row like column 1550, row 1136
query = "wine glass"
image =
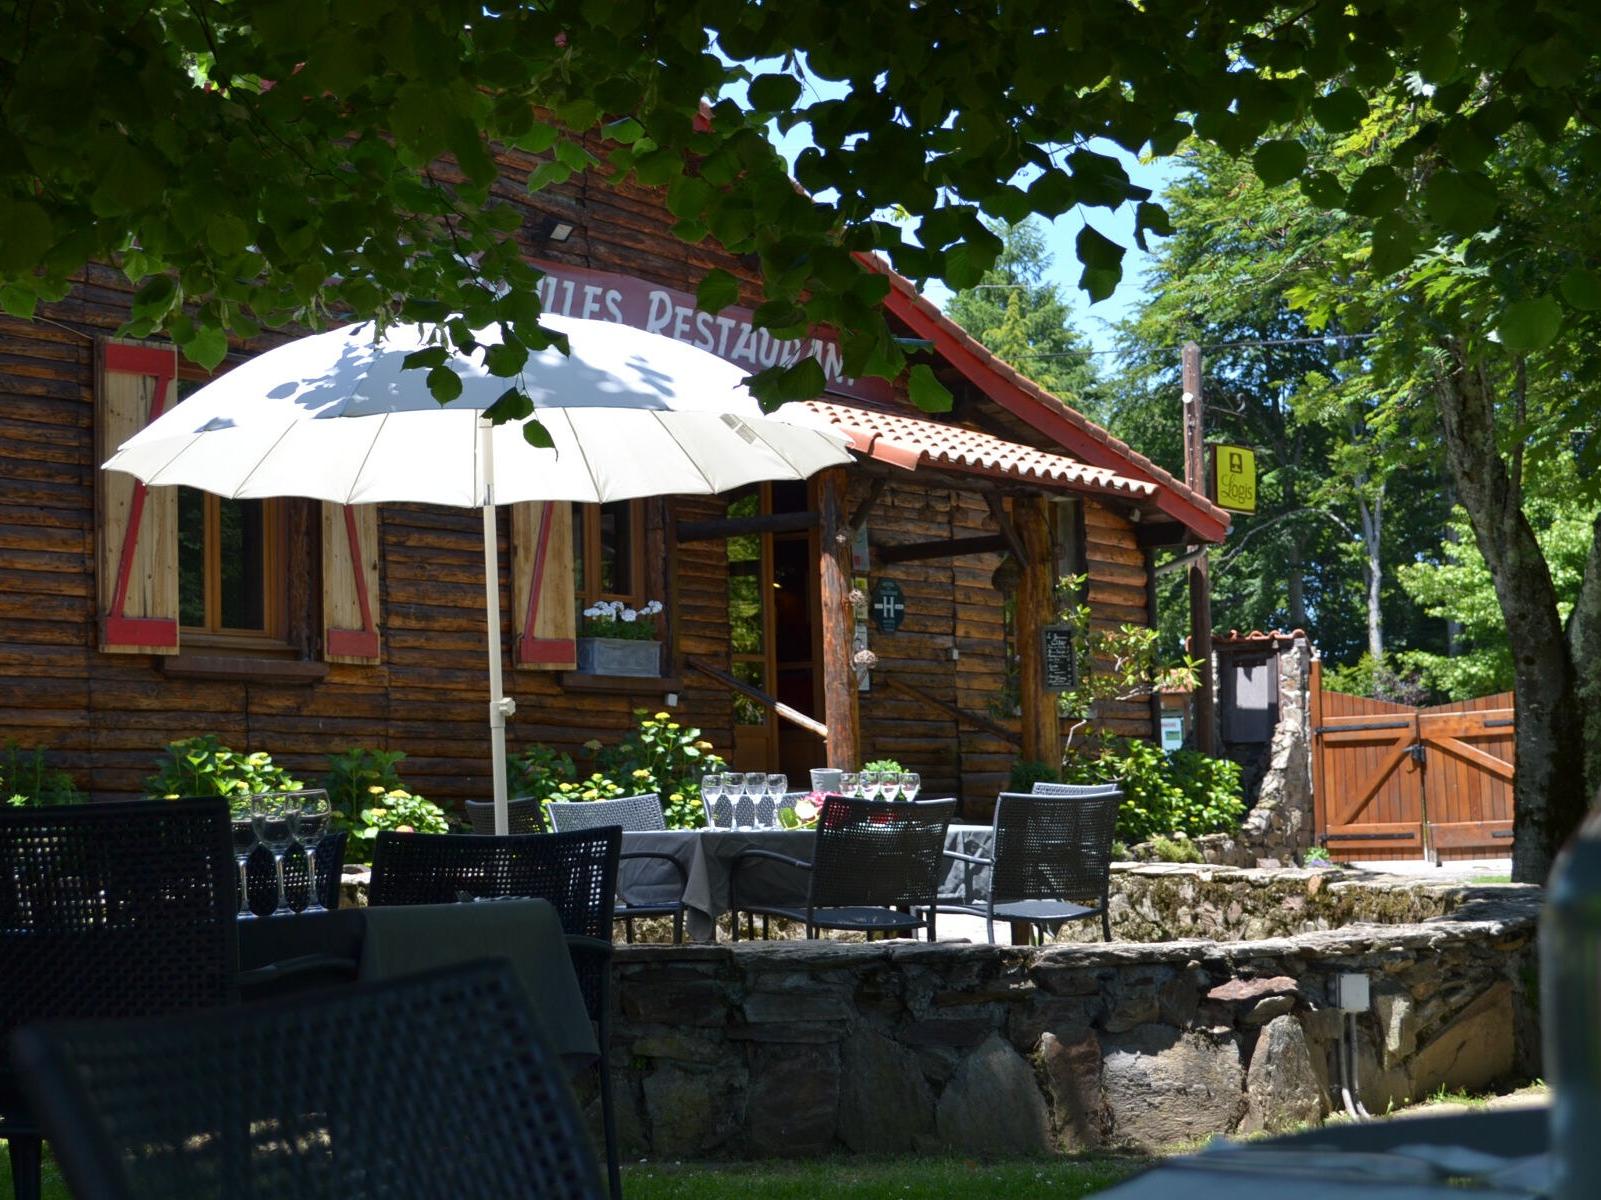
column 734, row 787
column 311, row 822
column 274, row 816
column 850, row 783
column 870, row 785
column 911, row 781
column 889, row 785
column 777, row 785
column 711, row 786
column 241, row 818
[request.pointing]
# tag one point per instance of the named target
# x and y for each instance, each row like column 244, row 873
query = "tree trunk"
column 1550, row 788
column 1297, row 584
column 1372, row 515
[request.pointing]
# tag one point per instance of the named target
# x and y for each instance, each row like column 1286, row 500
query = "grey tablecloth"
column 707, row 856
column 967, row 883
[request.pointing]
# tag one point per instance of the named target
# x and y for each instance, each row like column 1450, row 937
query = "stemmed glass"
column 889, row 785
column 850, row 783
column 711, row 786
column 241, row 812
column 870, row 785
column 777, row 785
column 311, row 822
column 734, row 785
column 911, row 781
column 275, row 817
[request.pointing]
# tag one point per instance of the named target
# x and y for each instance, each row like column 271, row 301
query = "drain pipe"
column 1351, row 997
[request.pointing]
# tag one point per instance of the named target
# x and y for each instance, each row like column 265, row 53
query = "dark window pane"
column 191, row 558
column 242, row 547
column 581, row 516
column 617, row 549
column 789, row 495
column 792, row 617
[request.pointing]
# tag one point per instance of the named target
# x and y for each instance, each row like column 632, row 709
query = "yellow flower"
column 376, row 789
column 703, row 745
column 661, row 716
column 642, row 773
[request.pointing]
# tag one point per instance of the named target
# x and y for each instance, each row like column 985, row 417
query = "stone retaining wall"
column 797, row 1048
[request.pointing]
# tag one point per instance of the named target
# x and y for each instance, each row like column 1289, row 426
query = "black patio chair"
column 262, row 879
column 523, row 815
column 875, row 868
column 1078, row 790
column 1052, row 861
column 576, row 872
column 437, row 1084
column 125, row 909
column 633, row 814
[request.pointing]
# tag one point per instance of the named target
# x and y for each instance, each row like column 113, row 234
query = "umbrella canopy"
column 335, row 416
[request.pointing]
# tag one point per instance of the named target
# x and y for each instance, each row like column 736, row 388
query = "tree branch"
column 1284, row 516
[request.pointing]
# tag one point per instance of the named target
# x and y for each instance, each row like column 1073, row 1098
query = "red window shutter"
column 350, row 583
column 136, row 527
column 545, row 621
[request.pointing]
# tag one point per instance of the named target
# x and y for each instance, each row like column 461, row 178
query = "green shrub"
column 1314, row 855
column 663, row 756
column 25, row 780
column 883, row 764
column 356, row 775
column 396, row 809
column 1026, row 773
column 1177, row 849
column 1184, row 792
column 203, row 766
column 539, row 771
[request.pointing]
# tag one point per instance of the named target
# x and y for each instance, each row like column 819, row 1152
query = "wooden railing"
column 794, row 716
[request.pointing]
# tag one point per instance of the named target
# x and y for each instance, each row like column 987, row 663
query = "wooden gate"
column 1392, row 781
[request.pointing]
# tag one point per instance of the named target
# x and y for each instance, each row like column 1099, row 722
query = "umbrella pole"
column 500, row 707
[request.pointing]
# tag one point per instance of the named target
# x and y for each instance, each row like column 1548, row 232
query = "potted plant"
column 615, row 639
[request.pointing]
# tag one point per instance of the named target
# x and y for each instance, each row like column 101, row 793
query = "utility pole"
column 1199, row 572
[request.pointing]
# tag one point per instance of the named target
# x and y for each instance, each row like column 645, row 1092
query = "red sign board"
column 600, row 295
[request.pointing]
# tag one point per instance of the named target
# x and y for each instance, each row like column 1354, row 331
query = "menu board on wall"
column 1060, row 657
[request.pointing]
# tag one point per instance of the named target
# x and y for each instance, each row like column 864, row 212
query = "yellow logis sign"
column 1233, row 477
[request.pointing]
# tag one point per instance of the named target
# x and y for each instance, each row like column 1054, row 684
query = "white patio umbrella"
column 335, row 417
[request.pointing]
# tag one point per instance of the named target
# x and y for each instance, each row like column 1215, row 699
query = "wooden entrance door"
column 1391, row 781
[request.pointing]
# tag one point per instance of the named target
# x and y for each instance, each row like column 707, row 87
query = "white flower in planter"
column 630, row 615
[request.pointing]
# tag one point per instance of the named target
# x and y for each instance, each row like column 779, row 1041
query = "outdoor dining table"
column 708, row 856
column 286, row 955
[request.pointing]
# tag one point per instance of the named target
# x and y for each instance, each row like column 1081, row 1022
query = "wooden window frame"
column 586, row 518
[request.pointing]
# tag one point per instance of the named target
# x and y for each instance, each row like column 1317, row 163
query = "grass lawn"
column 839, row 1179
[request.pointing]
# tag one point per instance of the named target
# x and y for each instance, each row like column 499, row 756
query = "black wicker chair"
column 443, row 1087
column 110, row 910
column 1076, row 790
column 633, row 814
column 1052, row 860
column 576, row 872
column 523, row 815
column 875, row 869
column 262, row 879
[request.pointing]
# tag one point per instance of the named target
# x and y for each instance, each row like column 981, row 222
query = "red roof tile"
column 911, row 441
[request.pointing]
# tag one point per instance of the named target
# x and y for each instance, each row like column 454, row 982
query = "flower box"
column 619, row 656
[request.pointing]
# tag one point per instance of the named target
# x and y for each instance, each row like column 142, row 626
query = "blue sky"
column 1095, row 321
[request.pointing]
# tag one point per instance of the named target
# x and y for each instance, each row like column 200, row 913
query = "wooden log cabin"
column 130, row 617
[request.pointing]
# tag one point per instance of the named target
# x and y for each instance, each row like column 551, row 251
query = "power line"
column 1301, row 341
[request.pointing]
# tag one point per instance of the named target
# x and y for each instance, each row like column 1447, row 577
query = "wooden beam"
column 727, row 527
column 794, row 716
column 874, row 491
column 961, row 714
column 1200, row 571
column 1042, row 725
column 838, row 620
column 1004, row 523
column 948, row 548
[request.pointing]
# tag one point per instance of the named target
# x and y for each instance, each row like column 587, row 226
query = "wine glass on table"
column 777, row 785
column 889, row 785
column 850, row 784
column 311, row 822
column 911, row 783
column 275, row 817
column 241, row 810
column 711, row 788
column 734, row 788
column 870, row 785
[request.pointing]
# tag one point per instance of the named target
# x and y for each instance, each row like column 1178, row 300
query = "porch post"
column 838, row 619
column 1041, row 723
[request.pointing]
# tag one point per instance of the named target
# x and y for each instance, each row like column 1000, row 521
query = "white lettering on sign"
column 580, row 292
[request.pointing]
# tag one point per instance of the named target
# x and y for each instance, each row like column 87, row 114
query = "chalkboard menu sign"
column 1061, row 660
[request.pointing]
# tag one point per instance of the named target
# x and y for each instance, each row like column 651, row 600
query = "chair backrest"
column 873, row 853
column 120, row 909
column 523, row 815
column 262, row 879
column 576, row 872
column 636, row 814
column 1053, row 847
column 1075, row 789
column 243, row 1102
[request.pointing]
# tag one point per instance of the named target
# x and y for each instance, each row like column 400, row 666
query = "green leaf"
column 538, row 139
column 926, row 391
column 1582, row 289
column 1463, row 202
column 445, row 384
column 155, row 298
column 1097, row 251
column 26, row 237
column 1100, row 282
column 511, row 405
column 625, row 131
column 505, row 358
column 1279, row 162
column 227, row 235
column 717, row 291
column 1341, row 111
column 1377, row 190
column 774, row 92
column 208, row 347
column 688, row 196
column 1323, row 189
column 537, row 436
column 1530, row 325
column 428, row 356
column 547, row 173
column 18, row 300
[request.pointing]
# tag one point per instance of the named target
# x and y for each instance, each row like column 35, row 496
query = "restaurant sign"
column 1233, row 477
column 729, row 334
